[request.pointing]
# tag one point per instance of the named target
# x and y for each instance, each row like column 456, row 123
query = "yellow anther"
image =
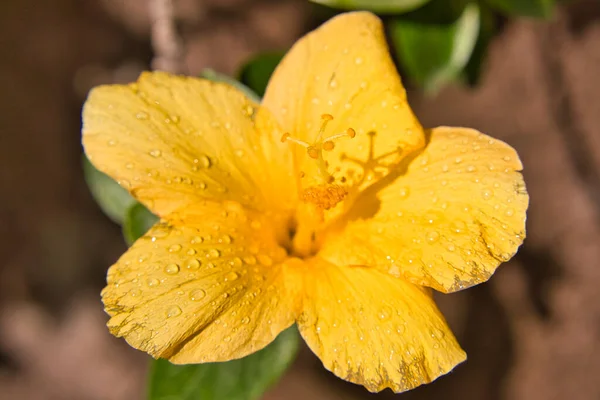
column 285, row 137
column 328, row 145
column 327, row 117
column 313, row 152
column 351, row 133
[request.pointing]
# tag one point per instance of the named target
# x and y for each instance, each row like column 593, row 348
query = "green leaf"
column 218, row 77
column 112, row 198
column 526, row 8
column 138, row 220
column 378, row 6
column 257, row 72
column 244, row 379
column 434, row 55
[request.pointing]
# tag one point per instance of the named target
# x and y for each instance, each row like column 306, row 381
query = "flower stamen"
column 315, row 149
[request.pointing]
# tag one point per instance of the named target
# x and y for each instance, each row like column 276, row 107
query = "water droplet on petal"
column 197, row 295
column 205, row 161
column 214, row 253
column 432, row 236
column 141, row 115
column 487, row 194
column 155, row 153
column 265, row 260
column 232, row 276
column 174, row 248
column 251, row 260
column 152, row 282
column 173, row 311
column 172, row 269
column 404, row 192
column 225, row 239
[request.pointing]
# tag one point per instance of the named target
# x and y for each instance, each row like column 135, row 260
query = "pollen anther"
column 313, row 152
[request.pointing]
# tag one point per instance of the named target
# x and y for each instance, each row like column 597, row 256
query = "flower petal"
column 173, row 140
column 211, row 290
column 344, row 69
column 374, row 329
column 448, row 221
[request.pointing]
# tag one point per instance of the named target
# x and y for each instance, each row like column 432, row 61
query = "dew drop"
column 509, row 212
column 432, row 236
column 205, row 161
column 231, row 276
column 191, row 252
column 172, row 269
column 487, row 194
column 245, row 320
column 174, row 248
column 214, row 253
column 227, row 339
column 265, row 260
column 225, row 239
column 404, row 192
column 152, row 282
column 458, row 226
column 250, row 260
column 193, row 264
column 197, row 295
column 196, row 239
column 236, row 262
column 173, row 311
column 155, row 153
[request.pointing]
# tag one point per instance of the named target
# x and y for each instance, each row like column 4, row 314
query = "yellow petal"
column 207, row 287
column 344, row 69
column 374, row 329
column 447, row 221
column 173, row 140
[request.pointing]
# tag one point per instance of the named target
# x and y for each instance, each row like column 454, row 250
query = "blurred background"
column 532, row 332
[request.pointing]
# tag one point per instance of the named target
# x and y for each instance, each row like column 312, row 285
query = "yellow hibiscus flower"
column 328, row 206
